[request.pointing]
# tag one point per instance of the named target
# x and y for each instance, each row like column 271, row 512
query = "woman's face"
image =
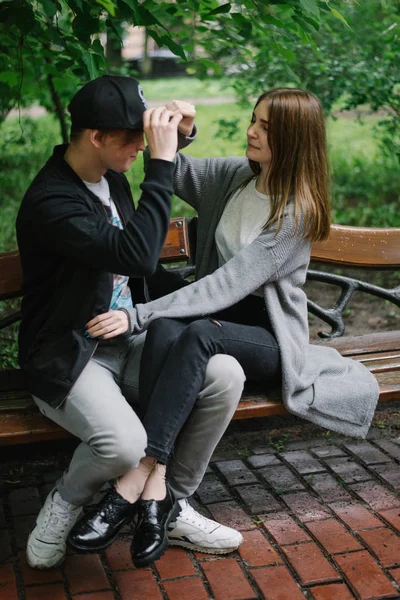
column 257, row 136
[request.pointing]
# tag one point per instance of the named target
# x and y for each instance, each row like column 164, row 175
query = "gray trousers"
column 100, row 411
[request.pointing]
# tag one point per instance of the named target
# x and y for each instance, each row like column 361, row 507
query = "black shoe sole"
column 148, row 560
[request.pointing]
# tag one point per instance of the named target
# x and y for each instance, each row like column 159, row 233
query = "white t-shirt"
column 242, row 221
column 121, row 296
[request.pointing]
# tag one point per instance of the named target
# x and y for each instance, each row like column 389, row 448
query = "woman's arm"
column 265, row 260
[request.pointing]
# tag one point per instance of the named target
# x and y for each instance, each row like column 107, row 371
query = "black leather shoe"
column 99, row 526
column 151, row 535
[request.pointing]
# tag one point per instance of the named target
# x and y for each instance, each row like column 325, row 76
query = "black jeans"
column 175, row 358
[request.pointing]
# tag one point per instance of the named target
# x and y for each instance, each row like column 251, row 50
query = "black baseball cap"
column 109, row 102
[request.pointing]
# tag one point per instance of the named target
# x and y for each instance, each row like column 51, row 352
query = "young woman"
column 257, row 219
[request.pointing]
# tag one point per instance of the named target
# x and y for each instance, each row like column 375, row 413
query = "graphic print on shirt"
column 121, row 296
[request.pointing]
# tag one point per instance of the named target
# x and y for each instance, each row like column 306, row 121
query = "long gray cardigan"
column 318, row 384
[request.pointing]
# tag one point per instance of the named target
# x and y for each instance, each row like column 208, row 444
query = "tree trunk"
column 59, row 109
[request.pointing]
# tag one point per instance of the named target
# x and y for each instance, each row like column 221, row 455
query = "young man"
column 85, row 250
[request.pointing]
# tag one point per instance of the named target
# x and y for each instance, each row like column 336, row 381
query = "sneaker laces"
column 189, row 514
column 56, row 521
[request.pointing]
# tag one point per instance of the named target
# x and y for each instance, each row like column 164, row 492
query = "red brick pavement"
column 320, row 520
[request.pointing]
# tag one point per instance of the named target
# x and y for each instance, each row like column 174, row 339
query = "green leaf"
column 311, row 6
column 108, row 5
column 223, row 9
column 133, row 4
column 49, row 7
column 339, row 16
column 173, row 46
column 11, row 78
column 90, row 63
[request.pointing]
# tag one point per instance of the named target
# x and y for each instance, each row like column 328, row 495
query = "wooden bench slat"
column 366, row 344
column 359, row 246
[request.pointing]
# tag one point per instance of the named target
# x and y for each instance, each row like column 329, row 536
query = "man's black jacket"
column 69, row 253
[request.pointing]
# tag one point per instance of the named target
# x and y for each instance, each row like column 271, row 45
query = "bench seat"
column 21, row 421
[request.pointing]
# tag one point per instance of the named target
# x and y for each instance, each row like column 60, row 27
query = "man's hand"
column 188, row 112
column 108, row 325
column 161, row 129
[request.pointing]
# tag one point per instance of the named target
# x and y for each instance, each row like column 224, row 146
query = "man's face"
column 120, row 149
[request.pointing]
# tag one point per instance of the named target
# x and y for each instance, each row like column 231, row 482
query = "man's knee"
column 122, row 447
column 224, row 375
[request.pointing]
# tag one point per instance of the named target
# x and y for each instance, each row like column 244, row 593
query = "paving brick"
column 5, row 546
column 96, row 596
column 46, row 592
column 257, row 498
column 118, row 555
column 8, row 588
column 310, row 564
column 262, row 450
column 175, row 563
column 395, row 573
column 257, row 551
column 236, row 472
column 263, row 460
column 391, row 516
column 232, row 515
column 390, row 473
column 212, row 490
column 333, row 536
column 327, row 487
column 391, row 448
column 281, row 479
column 305, row 444
column 85, row 573
column 355, row 515
column 305, row 507
column 23, row 526
column 367, row 453
column 139, row 580
column 303, row 462
column 348, row 470
column 333, row 591
column 284, row 529
column 364, row 576
column 276, row 583
column 327, row 452
column 384, row 544
column 376, row 495
column 188, row 589
column 25, row 501
column 227, row 580
column 34, row 576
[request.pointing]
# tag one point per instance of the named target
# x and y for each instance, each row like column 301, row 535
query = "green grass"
column 185, row 88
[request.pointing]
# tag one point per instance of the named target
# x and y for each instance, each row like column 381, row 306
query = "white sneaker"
column 192, row 530
column 47, row 543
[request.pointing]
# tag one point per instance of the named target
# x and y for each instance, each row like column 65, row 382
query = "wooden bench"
column 21, row 422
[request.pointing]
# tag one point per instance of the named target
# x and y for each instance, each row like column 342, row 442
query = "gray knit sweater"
column 318, row 384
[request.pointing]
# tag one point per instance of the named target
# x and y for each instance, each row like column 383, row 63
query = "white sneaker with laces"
column 47, row 543
column 192, row 530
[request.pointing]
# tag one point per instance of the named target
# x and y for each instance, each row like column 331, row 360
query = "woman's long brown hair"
column 299, row 165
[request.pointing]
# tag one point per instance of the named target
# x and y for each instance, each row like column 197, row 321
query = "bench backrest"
column 176, row 248
column 346, row 246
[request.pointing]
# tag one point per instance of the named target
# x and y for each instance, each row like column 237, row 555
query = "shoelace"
column 189, row 514
column 55, row 522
